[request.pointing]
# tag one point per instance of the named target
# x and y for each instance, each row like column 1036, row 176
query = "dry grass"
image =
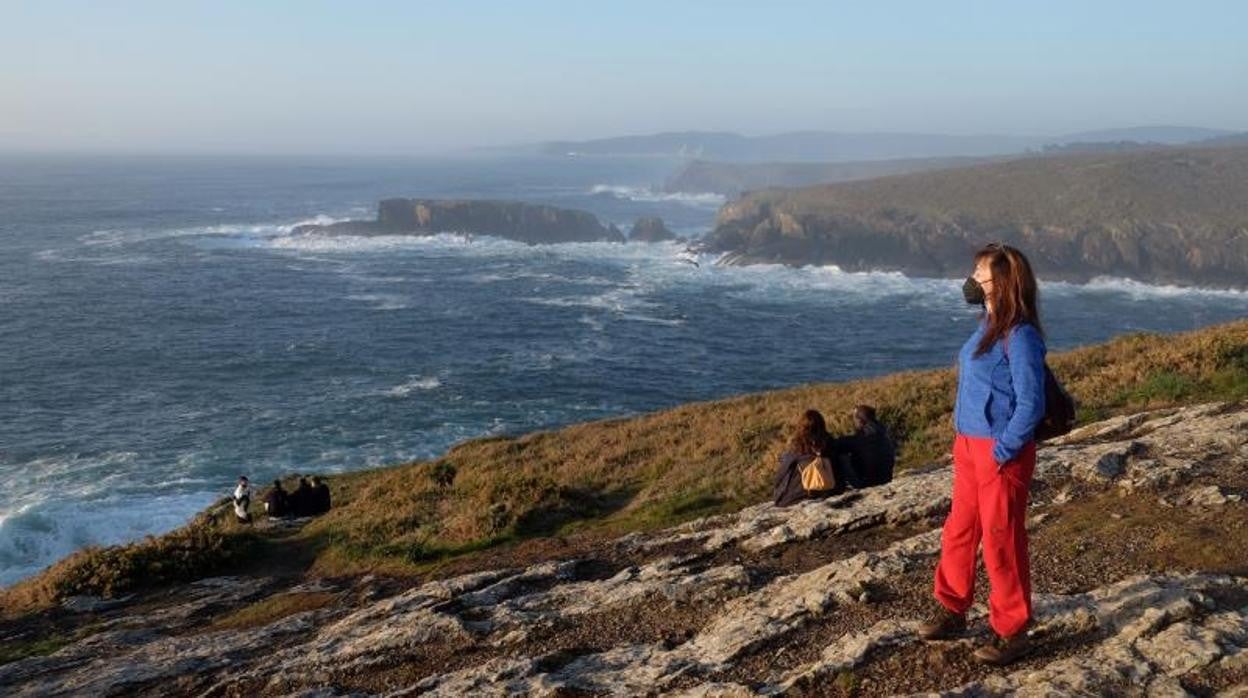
column 636, row 473
column 272, row 609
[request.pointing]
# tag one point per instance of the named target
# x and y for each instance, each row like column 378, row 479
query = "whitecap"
column 381, row 301
column 37, row 533
column 1140, row 290
column 648, row 195
column 413, row 384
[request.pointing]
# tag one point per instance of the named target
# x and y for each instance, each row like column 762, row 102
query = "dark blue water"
column 163, row 332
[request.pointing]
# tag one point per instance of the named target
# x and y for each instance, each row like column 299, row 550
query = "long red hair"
column 810, row 434
column 1013, row 295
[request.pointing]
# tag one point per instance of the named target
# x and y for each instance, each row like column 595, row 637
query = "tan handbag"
column 817, row 475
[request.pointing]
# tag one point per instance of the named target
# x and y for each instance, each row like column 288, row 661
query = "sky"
column 370, row 77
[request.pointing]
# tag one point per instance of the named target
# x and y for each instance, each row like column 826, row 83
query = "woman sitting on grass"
column 810, row 448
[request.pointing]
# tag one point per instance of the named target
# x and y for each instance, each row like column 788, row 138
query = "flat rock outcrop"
column 821, row 598
column 514, row 220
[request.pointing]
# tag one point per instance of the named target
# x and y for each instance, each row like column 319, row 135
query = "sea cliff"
column 639, row 555
column 514, row 220
column 1168, row 216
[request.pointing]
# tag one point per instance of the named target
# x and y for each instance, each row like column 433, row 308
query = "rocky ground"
column 1140, row 577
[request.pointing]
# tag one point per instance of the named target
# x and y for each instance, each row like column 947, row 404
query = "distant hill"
column 807, row 146
column 1227, row 140
column 733, row 178
column 1173, row 215
column 833, row 146
column 1164, row 135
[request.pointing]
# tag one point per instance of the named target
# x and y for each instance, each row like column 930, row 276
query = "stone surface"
column 650, row 229
column 1147, row 630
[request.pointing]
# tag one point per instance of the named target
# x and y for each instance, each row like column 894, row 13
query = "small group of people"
column 862, row 459
column 309, row 498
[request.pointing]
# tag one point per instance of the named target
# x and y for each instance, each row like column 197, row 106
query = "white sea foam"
column 381, row 301
column 252, row 231
column 1139, row 290
column 37, row 533
column 413, row 384
column 644, row 194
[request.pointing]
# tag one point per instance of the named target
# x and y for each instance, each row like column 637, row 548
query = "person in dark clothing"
column 866, row 457
column 810, row 439
column 320, row 496
column 301, row 499
column 276, row 503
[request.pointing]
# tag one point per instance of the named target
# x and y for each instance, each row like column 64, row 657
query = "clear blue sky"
column 370, row 77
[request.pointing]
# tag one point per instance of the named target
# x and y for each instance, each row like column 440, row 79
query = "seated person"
column 300, row 500
column 320, row 496
column 866, row 457
column 276, row 503
column 810, row 440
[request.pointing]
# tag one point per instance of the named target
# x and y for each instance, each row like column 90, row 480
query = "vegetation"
column 733, row 178
column 273, row 608
column 1173, row 215
column 635, row 473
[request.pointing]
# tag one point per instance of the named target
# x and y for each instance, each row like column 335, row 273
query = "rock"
column 92, row 604
column 513, row 220
column 1072, row 221
column 1207, row 496
column 1150, row 630
column 650, row 229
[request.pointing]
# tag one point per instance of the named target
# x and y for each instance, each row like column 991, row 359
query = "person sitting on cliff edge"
column 320, row 496
column 276, row 503
column 805, row 469
column 300, row 499
column 866, row 457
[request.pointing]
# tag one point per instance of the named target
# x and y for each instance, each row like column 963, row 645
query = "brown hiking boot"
column 1003, row 650
column 944, row 623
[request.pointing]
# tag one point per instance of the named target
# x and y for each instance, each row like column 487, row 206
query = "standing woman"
column 1000, row 401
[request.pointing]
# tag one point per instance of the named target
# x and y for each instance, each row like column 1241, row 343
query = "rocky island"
column 454, row 577
column 1168, row 215
column 514, row 220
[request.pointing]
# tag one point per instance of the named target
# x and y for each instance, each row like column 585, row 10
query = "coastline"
column 532, row 497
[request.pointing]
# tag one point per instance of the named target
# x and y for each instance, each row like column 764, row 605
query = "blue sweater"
column 1000, row 396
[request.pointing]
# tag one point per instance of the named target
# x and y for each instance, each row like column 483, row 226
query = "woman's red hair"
column 1013, row 294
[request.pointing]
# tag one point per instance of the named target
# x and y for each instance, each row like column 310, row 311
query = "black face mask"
column 973, row 292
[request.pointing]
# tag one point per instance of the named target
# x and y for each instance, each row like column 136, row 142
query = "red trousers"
column 990, row 505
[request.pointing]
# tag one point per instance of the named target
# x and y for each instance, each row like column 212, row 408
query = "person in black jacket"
column 320, row 496
column 276, row 503
column 810, row 439
column 301, row 499
column 866, row 457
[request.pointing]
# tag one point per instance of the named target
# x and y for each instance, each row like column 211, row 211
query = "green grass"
column 622, row 475
column 13, row 651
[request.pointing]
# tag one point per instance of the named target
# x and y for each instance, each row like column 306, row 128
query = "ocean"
column 164, row 332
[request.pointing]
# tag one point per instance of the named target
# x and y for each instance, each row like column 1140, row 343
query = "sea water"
column 162, row 331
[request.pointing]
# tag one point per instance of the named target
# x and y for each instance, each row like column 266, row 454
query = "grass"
column 1173, row 215
column 272, row 609
column 13, row 651
column 1158, row 539
column 638, row 473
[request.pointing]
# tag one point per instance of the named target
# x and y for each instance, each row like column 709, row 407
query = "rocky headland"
column 633, row 557
column 1171, row 216
column 1131, row 598
column 514, row 220
column 735, row 178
